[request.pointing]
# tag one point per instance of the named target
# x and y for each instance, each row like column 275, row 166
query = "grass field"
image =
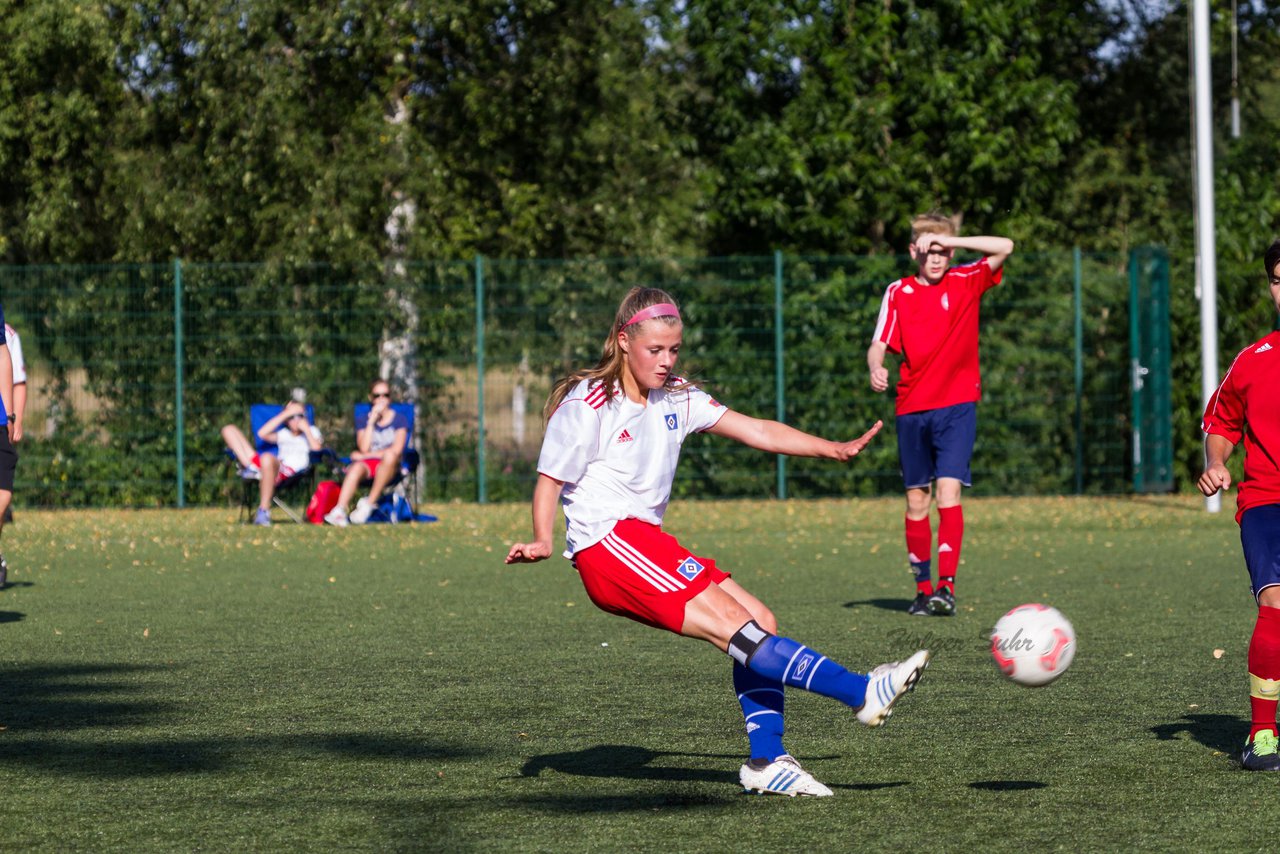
column 172, row 681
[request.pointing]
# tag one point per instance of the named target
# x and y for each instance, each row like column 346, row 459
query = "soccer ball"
column 1033, row 644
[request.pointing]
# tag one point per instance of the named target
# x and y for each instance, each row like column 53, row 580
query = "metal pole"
column 779, row 379
column 1235, row 71
column 1206, row 247
column 177, row 381
column 482, row 492
column 1079, row 359
column 1136, row 371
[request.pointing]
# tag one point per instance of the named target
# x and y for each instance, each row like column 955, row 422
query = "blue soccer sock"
column 762, row 701
column 796, row 666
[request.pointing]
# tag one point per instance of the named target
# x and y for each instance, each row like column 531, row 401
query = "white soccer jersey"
column 15, row 354
column 617, row 458
column 294, row 448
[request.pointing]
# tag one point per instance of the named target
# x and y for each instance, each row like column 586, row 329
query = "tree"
column 538, row 130
column 826, row 125
column 261, row 133
column 59, row 116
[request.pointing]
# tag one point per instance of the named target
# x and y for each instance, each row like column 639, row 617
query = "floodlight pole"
column 1206, row 247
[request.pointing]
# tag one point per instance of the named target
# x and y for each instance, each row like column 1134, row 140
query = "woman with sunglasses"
column 380, row 443
column 294, row 437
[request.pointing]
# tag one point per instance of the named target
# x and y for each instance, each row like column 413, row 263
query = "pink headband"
column 662, row 309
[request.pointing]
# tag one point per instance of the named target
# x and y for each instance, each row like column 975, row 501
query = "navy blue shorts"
column 8, row 460
column 937, row 443
column 1260, row 536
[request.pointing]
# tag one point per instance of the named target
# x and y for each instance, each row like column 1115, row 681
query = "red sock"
column 919, row 550
column 1264, row 664
column 950, row 538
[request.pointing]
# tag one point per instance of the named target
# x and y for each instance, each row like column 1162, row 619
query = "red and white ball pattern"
column 1033, row 644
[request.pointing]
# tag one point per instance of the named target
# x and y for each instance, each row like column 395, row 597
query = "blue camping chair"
column 405, row 481
column 297, row 486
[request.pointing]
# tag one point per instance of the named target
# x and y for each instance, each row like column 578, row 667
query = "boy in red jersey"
column 1246, row 406
column 931, row 320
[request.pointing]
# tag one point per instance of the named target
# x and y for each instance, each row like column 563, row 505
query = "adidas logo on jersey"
column 624, row 436
column 1264, row 348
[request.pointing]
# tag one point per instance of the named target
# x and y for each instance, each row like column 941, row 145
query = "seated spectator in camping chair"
column 294, row 437
column 380, row 443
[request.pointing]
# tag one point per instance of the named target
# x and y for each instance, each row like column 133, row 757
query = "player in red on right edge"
column 931, row 320
column 1246, row 407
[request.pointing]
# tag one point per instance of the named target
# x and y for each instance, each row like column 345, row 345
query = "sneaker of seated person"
column 263, row 517
column 337, row 517
column 361, row 514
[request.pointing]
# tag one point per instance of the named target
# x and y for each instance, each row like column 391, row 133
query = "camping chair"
column 297, row 486
column 405, row 481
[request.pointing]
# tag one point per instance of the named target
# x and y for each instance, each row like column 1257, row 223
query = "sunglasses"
column 378, row 394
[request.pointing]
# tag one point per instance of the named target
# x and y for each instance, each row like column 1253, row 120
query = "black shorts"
column 8, row 460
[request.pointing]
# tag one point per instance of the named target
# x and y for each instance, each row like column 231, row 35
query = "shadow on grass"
column 867, row 787
column 1224, row 733
column 90, row 711
column 69, row 697
column 578, row 804
column 883, row 604
column 1007, row 785
column 117, row 759
column 11, row 616
column 634, row 763
column 628, row 763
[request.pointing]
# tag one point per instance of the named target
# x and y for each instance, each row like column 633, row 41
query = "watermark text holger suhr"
column 937, row 643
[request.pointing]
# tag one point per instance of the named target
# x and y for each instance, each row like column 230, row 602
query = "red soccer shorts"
column 282, row 474
column 372, row 465
column 640, row 572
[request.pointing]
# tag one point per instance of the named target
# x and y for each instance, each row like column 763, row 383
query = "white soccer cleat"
column 782, row 776
column 337, row 517
column 362, row 511
column 887, row 683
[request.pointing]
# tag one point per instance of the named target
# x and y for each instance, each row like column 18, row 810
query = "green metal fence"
column 134, row 369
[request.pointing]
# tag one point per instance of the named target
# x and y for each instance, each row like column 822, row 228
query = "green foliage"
column 273, row 130
column 58, row 125
column 104, row 360
column 826, row 126
column 362, row 134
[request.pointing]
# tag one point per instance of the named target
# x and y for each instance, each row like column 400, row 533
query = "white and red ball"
column 1033, row 644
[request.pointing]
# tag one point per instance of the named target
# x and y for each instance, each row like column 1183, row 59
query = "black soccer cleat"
column 4, row 573
column 1261, row 753
column 942, row 603
column 920, row 607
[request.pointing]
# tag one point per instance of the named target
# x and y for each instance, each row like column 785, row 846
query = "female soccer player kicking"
column 1247, row 407
column 609, row 455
